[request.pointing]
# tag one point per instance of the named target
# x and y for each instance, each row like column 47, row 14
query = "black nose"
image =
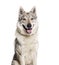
column 29, row 25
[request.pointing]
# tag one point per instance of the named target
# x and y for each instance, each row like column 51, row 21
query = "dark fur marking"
column 27, row 13
column 17, row 42
column 20, row 18
column 16, row 58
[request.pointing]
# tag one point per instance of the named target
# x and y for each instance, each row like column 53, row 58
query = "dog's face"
column 27, row 22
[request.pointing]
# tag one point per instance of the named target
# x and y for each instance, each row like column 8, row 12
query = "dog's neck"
column 25, row 39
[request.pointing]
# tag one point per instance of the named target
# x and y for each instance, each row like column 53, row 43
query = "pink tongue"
column 28, row 31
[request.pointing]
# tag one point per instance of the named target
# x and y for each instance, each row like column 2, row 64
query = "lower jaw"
column 28, row 32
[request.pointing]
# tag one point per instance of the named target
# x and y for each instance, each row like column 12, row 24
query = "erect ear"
column 33, row 10
column 21, row 10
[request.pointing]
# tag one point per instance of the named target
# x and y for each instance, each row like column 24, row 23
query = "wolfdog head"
column 27, row 22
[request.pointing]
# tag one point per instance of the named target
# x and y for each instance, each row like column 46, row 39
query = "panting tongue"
column 28, row 31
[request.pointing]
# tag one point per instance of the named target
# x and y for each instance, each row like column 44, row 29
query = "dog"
column 26, row 43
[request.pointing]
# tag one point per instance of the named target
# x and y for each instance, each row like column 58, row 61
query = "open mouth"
column 28, row 29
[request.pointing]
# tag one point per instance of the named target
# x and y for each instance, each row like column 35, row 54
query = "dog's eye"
column 24, row 19
column 32, row 18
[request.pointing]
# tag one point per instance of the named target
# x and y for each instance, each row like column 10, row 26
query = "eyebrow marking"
column 27, row 13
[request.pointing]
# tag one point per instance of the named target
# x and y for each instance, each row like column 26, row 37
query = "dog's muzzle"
column 28, row 29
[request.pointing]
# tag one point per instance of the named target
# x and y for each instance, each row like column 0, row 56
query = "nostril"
column 29, row 25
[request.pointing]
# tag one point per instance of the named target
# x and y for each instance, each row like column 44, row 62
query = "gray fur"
column 26, row 44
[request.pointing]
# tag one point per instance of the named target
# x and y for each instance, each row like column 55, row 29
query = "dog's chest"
column 29, row 53
column 29, row 49
column 29, row 46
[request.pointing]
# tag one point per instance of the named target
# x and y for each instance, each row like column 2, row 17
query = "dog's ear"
column 33, row 10
column 21, row 11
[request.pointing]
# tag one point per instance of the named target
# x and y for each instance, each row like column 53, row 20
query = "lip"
column 28, row 30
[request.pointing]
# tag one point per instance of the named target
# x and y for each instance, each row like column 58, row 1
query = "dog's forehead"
column 28, row 14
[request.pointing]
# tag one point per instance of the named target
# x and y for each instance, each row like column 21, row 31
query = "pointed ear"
column 21, row 10
column 33, row 10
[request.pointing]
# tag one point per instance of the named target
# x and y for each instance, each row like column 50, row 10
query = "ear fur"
column 33, row 10
column 21, row 10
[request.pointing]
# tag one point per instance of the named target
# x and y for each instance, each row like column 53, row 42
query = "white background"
column 48, row 34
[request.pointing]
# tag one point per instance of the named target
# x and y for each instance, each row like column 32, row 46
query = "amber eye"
column 32, row 18
column 24, row 19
